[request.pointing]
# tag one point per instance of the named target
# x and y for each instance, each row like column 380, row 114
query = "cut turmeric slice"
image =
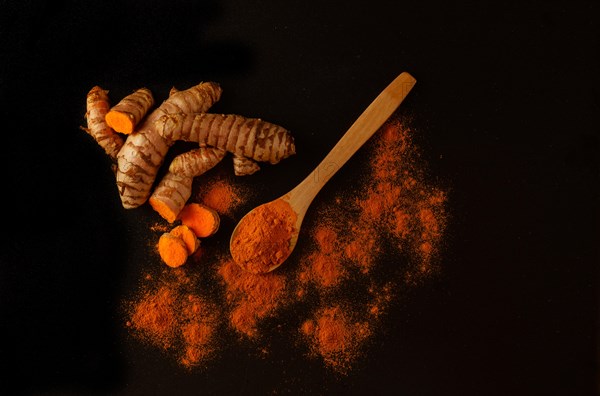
column 186, row 234
column 126, row 114
column 175, row 188
column 170, row 195
column 173, row 250
column 203, row 220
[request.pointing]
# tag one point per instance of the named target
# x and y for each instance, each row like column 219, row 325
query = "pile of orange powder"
column 378, row 239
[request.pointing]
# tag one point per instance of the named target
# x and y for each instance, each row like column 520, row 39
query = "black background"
column 505, row 106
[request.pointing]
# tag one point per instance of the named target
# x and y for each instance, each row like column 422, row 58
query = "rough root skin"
column 97, row 106
column 175, row 188
column 195, row 162
column 243, row 166
column 144, row 150
column 182, row 116
column 252, row 138
column 170, row 195
column 127, row 114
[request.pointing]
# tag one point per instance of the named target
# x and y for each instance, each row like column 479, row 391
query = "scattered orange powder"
column 381, row 296
column 362, row 247
column 159, row 227
column 400, row 223
column 154, row 317
column 326, row 269
column 223, row 195
column 326, row 238
column 170, row 316
column 324, row 265
column 393, row 211
column 335, row 337
column 252, row 296
column 220, row 197
column 399, row 201
column 394, row 204
column 198, row 330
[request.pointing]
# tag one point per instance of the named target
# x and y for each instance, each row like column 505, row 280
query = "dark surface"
column 506, row 105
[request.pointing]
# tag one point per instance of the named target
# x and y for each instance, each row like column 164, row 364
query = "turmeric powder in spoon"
column 262, row 241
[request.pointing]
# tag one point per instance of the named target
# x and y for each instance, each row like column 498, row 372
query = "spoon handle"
column 361, row 130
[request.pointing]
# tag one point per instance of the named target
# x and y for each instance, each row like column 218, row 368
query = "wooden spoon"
column 301, row 196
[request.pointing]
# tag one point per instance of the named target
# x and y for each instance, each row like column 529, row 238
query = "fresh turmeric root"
column 203, row 220
column 127, row 114
column 182, row 116
column 187, row 235
column 243, row 166
column 251, row 138
column 97, row 106
column 172, row 250
column 144, row 150
column 175, row 188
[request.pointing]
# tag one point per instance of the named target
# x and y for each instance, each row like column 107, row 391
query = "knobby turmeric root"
column 175, row 188
column 97, row 106
column 203, row 220
column 251, row 138
column 144, row 150
column 182, row 116
column 243, row 166
column 127, row 114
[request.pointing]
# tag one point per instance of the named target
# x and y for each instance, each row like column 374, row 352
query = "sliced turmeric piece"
column 171, row 195
column 186, row 234
column 175, row 188
column 203, row 220
column 126, row 114
column 173, row 250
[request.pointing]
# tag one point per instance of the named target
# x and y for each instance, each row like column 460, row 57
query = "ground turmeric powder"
column 223, row 195
column 127, row 114
column 348, row 290
column 262, row 238
column 324, row 265
column 252, row 296
column 170, row 314
column 335, row 336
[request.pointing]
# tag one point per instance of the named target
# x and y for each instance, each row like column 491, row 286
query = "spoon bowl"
column 278, row 246
column 286, row 245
